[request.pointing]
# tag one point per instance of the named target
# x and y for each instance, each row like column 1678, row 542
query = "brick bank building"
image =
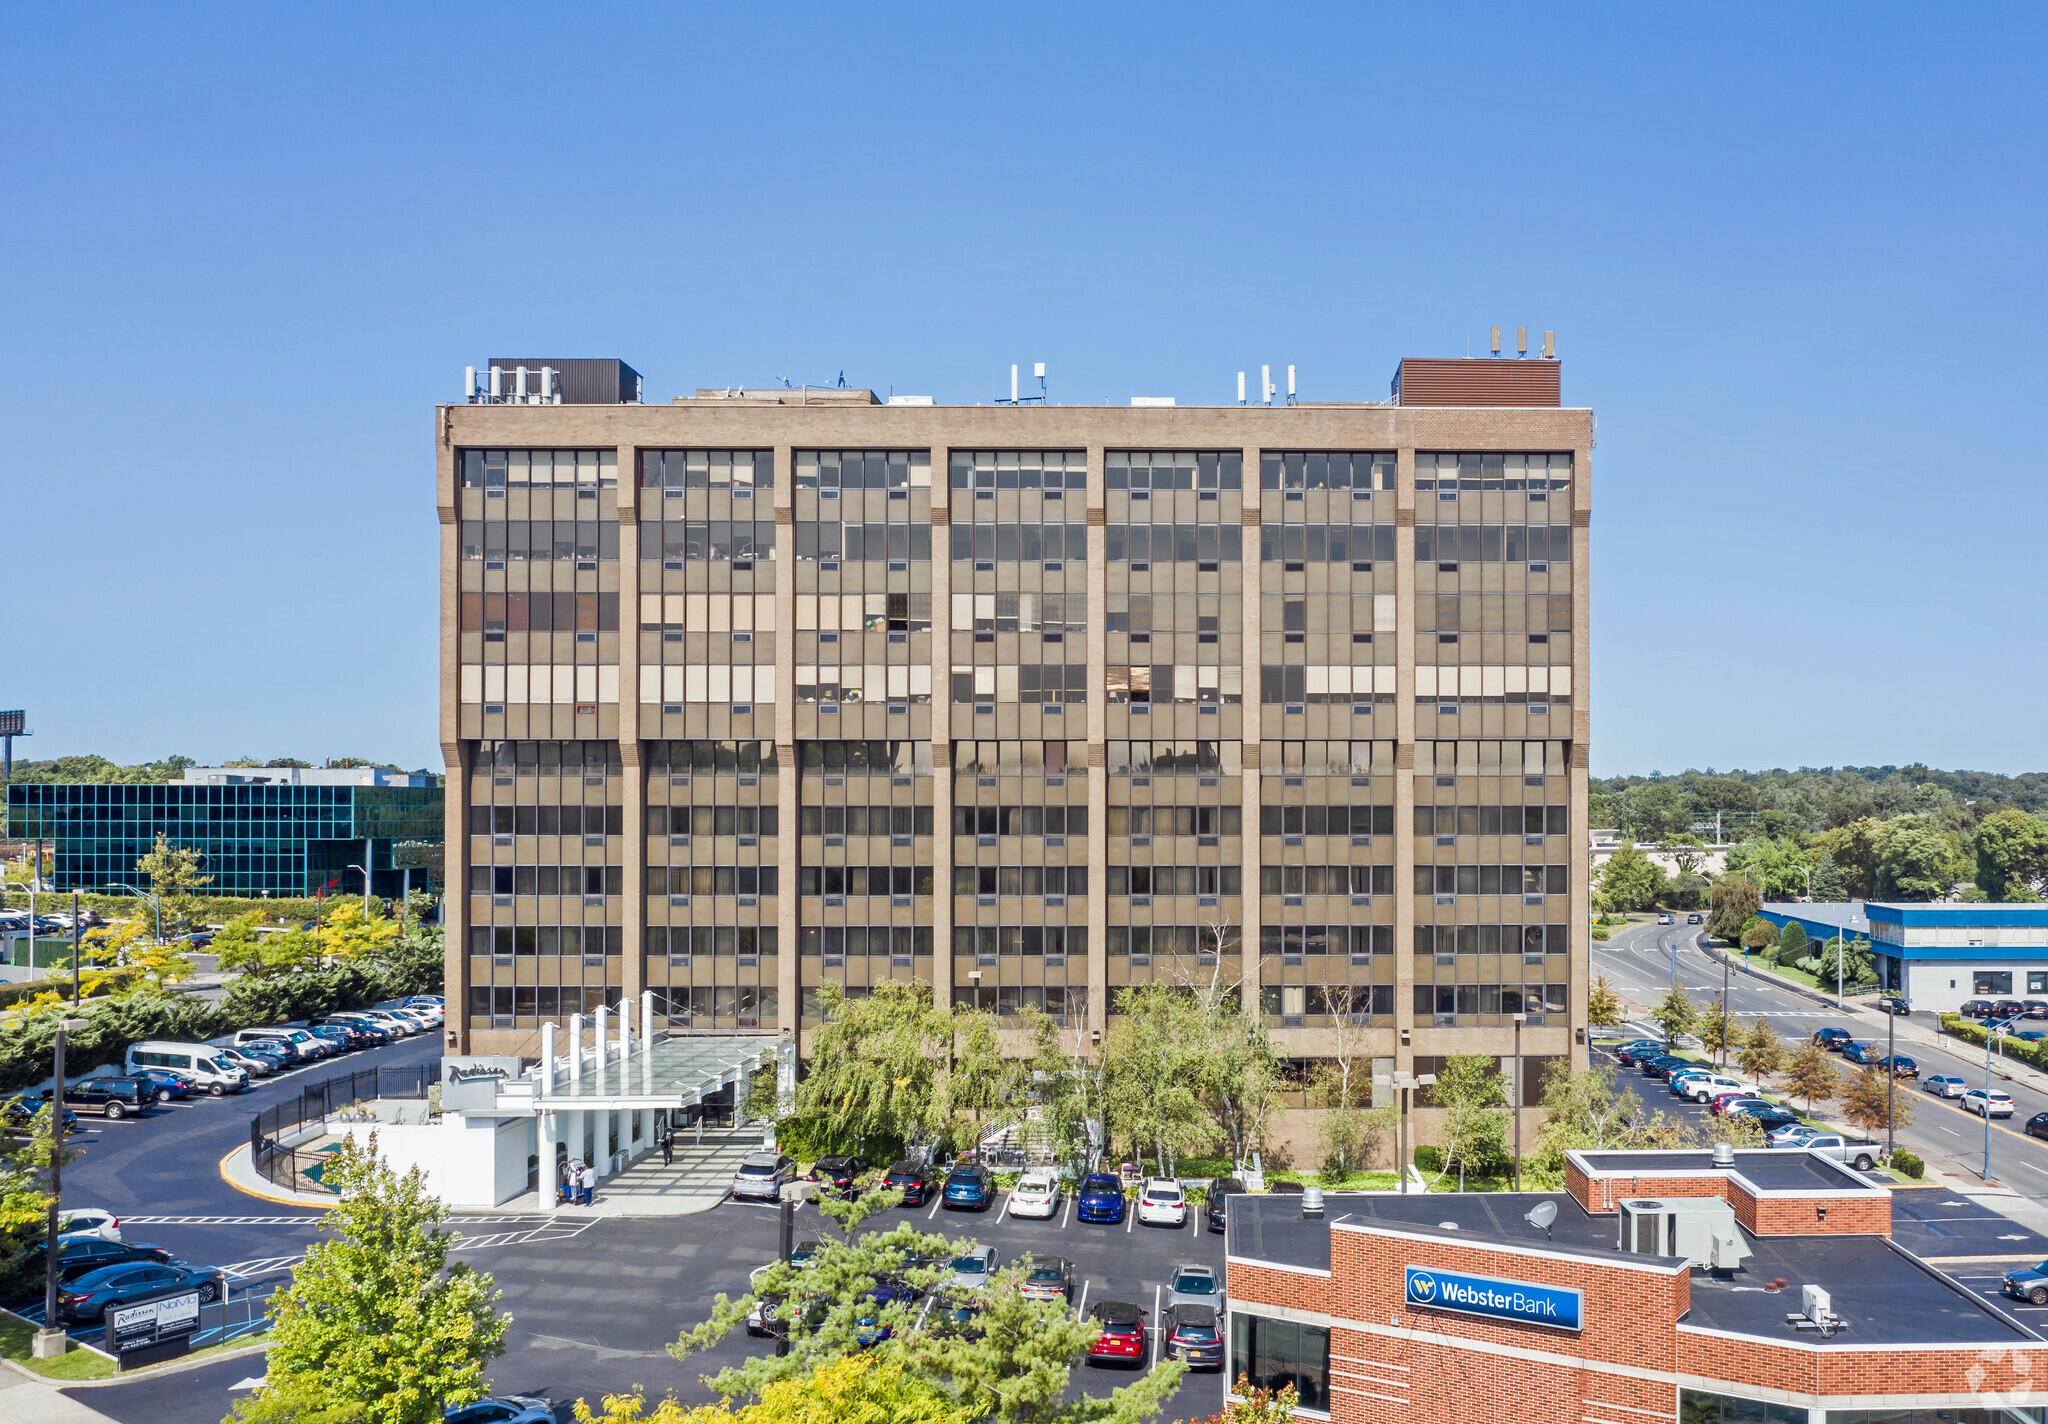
column 1667, row 1286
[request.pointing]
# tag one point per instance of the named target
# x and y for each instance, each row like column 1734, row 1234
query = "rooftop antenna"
column 1541, row 1215
column 1013, row 383
column 1496, row 341
column 1290, row 385
column 1038, row 370
column 1266, row 384
column 1240, row 388
column 1550, row 346
column 1521, row 341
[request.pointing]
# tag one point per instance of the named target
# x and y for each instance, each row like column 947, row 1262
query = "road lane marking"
column 1157, row 1328
column 1082, row 1309
column 936, row 1203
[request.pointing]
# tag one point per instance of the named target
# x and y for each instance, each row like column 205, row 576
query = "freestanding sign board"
column 162, row 1325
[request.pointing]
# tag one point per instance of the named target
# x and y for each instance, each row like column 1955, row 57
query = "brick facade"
column 1850, row 1210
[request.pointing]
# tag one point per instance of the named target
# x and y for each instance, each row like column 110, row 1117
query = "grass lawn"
column 17, row 1342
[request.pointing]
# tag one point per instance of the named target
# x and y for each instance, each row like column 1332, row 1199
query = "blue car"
column 1859, row 1050
column 969, row 1187
column 1101, row 1198
column 871, row 1327
column 162, row 1083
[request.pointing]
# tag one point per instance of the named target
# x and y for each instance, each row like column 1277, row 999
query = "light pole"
column 1516, row 1109
column 1989, row 1039
column 366, row 890
column 1891, row 1086
column 155, row 903
column 33, row 877
column 1724, row 1013
column 50, row 1341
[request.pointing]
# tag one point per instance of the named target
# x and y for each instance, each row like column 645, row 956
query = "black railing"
column 299, row 1170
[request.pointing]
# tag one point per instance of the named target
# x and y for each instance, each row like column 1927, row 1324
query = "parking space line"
column 1081, row 1309
column 1157, row 1327
column 1130, row 1216
column 1004, row 1212
column 935, row 1208
column 1066, row 1213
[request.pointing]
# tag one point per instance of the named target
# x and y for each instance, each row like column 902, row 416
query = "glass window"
column 1272, row 1354
column 1991, row 981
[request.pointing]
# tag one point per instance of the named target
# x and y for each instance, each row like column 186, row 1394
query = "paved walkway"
column 26, row 1400
column 698, row 1180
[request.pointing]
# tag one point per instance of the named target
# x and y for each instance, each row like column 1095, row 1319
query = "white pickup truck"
column 1849, row 1151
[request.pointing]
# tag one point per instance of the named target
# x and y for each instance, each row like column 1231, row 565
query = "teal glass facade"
column 257, row 840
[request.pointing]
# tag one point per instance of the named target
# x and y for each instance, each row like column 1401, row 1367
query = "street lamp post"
column 50, row 1342
column 366, row 889
column 1724, row 1013
column 1989, row 1039
column 1516, row 1089
column 1891, row 1086
column 155, row 903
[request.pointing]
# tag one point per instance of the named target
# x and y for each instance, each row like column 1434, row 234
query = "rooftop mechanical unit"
column 1703, row 1230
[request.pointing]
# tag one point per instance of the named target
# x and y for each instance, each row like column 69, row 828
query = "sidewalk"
column 26, row 1400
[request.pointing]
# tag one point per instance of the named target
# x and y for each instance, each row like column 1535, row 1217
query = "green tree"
column 1858, row 969
column 1016, row 1367
column 1760, row 1054
column 1793, row 943
column 1871, row 1102
column 1157, row 1061
column 173, row 874
column 1603, row 1005
column 1474, row 1126
column 878, row 1068
column 1759, row 933
column 1714, row 1030
column 1811, row 1074
column 2012, row 855
column 1583, row 1110
column 1830, row 886
column 1777, row 864
column 1630, row 880
column 1675, row 1013
column 1658, row 811
column 1919, row 860
column 375, row 1321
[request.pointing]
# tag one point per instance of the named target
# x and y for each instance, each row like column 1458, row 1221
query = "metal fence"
column 299, row 1170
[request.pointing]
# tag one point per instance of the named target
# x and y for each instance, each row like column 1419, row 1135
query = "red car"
column 1123, row 1331
column 1720, row 1101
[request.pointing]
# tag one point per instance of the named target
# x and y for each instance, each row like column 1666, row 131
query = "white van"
column 194, row 1062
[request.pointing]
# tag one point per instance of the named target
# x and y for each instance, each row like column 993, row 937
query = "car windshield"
column 1099, row 1184
column 1163, row 1194
column 757, row 1169
column 1196, row 1284
column 1044, row 1273
column 974, row 1265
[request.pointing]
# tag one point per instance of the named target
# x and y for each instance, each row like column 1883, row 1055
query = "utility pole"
column 1724, row 1013
column 1516, row 1109
column 74, row 949
column 1891, row 1086
column 50, row 1341
column 1989, row 1039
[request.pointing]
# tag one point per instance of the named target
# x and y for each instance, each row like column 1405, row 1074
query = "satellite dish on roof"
column 1541, row 1215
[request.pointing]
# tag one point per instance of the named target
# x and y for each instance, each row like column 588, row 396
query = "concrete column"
column 600, row 1035
column 576, row 1048
column 547, row 1057
column 457, row 754
column 1251, row 912
column 545, row 1130
column 788, row 998
column 1404, row 757
column 632, row 922
column 1097, row 769
column 942, row 726
column 646, row 1075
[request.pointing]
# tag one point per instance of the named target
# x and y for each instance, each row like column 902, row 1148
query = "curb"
column 168, row 1367
column 279, row 1200
column 1706, row 946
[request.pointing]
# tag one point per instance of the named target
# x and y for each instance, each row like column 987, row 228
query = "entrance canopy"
column 674, row 1072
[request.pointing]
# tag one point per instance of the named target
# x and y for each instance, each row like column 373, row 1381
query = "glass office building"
column 257, row 840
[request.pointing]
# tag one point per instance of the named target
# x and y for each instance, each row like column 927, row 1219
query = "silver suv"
column 761, row 1177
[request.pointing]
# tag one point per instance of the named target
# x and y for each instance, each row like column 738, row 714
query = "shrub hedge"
column 2034, row 1055
column 1911, row 1165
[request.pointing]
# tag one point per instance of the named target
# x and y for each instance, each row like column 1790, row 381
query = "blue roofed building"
column 1940, row 954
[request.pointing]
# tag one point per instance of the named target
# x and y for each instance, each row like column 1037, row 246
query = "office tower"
column 762, row 689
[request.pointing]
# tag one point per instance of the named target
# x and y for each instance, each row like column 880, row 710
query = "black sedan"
column 90, row 1296
column 1192, row 1335
column 837, row 1174
column 915, row 1180
column 1664, row 1065
column 81, row 1255
column 2037, row 1125
column 1631, row 1055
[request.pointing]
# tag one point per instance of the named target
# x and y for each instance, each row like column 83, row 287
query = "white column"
column 576, row 1048
column 600, row 1031
column 785, row 1077
column 547, row 1058
column 647, row 1067
column 546, row 1131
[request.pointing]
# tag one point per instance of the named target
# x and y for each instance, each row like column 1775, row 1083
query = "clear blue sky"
column 1792, row 255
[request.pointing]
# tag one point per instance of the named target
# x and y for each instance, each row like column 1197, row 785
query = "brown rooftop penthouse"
column 763, row 689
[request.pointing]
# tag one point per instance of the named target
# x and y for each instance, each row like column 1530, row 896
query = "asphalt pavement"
column 1642, row 962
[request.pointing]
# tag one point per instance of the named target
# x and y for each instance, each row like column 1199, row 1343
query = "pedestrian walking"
column 589, row 1183
column 668, row 1148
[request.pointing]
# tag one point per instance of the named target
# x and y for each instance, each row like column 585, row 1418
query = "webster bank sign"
column 1495, row 1299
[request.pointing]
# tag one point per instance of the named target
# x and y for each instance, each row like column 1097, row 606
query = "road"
column 1640, row 963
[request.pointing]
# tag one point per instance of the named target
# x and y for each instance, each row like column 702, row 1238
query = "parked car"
column 374, row 1034
column 1664, row 1065
column 1123, row 1334
column 89, row 1296
column 502, row 1409
column 277, row 1040
column 836, row 1174
column 1792, row 1134
column 1739, row 1106
column 1212, row 1212
column 2028, row 1283
column 762, row 1175
column 1705, row 1087
column 1192, row 1336
column 1101, row 1198
column 1719, row 1104
column 2028, row 1035
column 2037, row 1125
column 1193, row 1284
column 1631, row 1055
column 77, row 1255
column 915, row 1180
column 1991, row 1103
column 1046, row 1278
column 872, row 1326
column 256, row 1065
column 1894, row 1004
column 1832, row 1039
column 1859, row 1050
column 1695, row 918
column 1665, row 918
column 970, row 1186
column 194, row 1064
column 110, row 1098
column 1162, row 1203
column 2009, row 1009
column 1772, row 1117
column 89, row 1221
column 19, row 1115
column 1037, row 1194
column 344, row 1038
column 163, row 1084
column 1944, row 1085
column 972, row 1271
column 1857, row 1152
column 1899, row 1066
column 2035, row 1008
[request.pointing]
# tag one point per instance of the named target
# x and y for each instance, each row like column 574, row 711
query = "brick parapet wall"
column 1850, row 1212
